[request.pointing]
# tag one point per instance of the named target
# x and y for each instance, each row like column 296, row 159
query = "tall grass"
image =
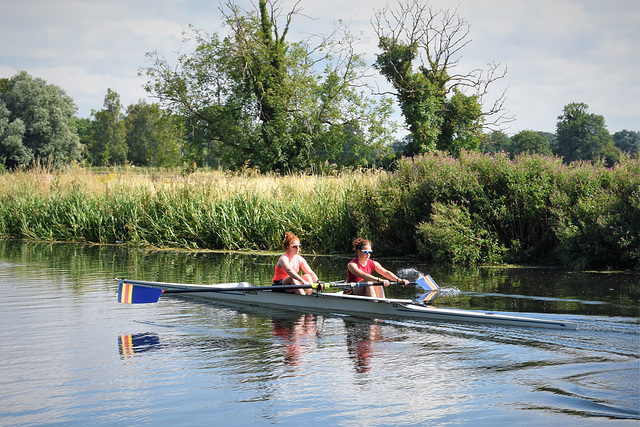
column 472, row 209
column 211, row 210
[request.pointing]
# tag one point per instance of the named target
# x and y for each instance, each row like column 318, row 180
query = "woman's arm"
column 286, row 266
column 388, row 274
column 305, row 267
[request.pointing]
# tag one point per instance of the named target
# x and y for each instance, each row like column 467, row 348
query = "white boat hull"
column 350, row 304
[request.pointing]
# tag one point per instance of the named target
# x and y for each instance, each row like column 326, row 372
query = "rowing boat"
column 330, row 302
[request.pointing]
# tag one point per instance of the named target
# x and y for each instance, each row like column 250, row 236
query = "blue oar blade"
column 426, row 298
column 427, row 283
column 131, row 294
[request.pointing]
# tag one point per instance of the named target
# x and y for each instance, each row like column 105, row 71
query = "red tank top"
column 281, row 274
column 368, row 268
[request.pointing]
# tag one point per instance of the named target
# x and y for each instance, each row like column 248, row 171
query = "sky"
column 555, row 51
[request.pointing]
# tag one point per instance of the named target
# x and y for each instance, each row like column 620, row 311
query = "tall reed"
column 212, row 210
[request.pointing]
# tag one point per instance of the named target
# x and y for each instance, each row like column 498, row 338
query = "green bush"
column 532, row 209
column 452, row 236
column 596, row 215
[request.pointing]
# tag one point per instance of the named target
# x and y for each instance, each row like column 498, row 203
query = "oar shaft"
column 317, row 286
column 245, row 288
column 137, row 292
column 364, row 284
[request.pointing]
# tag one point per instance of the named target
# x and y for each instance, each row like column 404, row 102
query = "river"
column 72, row 355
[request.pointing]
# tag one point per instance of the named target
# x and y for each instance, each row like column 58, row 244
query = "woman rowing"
column 362, row 267
column 289, row 265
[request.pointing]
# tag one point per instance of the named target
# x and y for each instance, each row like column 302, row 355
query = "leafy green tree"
column 530, row 142
column 419, row 48
column 36, row 123
column 581, row 135
column 495, row 142
column 12, row 152
column 551, row 138
column 253, row 97
column 153, row 139
column 628, row 141
column 108, row 133
column 83, row 126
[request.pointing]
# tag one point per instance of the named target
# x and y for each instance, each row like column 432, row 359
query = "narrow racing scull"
column 136, row 291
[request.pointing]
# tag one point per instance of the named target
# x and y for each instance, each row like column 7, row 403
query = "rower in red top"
column 289, row 265
column 362, row 267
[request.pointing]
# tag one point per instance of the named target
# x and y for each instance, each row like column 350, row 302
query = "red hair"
column 288, row 238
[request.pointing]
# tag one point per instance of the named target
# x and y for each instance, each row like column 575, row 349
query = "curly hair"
column 359, row 243
column 288, row 238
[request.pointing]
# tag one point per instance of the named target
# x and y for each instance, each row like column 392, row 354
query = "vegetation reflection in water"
column 183, row 354
column 519, row 289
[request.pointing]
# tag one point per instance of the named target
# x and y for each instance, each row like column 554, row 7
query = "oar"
column 131, row 293
column 426, row 282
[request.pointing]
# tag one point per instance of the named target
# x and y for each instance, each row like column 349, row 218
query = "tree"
column 551, row 138
column 108, row 145
column 530, row 142
column 36, row 123
column 496, row 141
column 153, row 137
column 419, row 48
column 628, row 141
column 581, row 135
column 12, row 152
column 255, row 97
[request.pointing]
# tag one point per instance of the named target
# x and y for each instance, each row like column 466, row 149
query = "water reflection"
column 132, row 344
column 71, row 353
column 360, row 340
column 294, row 333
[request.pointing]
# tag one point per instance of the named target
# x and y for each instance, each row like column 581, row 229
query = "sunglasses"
column 296, row 246
column 366, row 252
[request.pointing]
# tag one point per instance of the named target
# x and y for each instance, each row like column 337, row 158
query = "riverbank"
column 473, row 209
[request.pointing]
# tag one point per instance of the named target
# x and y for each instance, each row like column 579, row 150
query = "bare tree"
column 420, row 53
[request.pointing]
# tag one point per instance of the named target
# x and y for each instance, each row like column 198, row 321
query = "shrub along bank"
column 473, row 209
column 483, row 208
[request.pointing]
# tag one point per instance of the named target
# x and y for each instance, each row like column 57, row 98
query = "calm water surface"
column 71, row 355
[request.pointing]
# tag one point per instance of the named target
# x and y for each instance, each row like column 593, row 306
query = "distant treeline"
column 250, row 97
column 476, row 208
column 37, row 125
